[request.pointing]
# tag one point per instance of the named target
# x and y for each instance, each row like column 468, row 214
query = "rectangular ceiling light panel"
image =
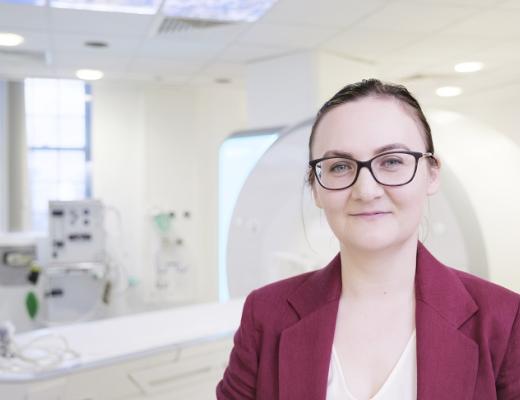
column 29, row 2
column 125, row 6
column 218, row 10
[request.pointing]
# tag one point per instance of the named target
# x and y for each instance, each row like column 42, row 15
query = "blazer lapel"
column 305, row 347
column 447, row 359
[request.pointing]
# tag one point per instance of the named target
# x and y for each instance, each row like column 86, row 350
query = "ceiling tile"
column 217, row 34
column 23, row 71
column 438, row 48
column 367, row 44
column 496, row 24
column 502, row 56
column 21, row 59
column 145, row 76
column 397, row 70
column 163, row 66
column 287, row 35
column 166, row 49
column 510, row 4
column 34, row 40
column 73, row 42
column 81, row 60
column 470, row 3
column 249, row 53
column 99, row 23
column 416, row 18
column 23, row 16
column 224, row 70
column 325, row 13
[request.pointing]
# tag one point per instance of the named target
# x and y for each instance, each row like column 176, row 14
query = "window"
column 238, row 155
column 58, row 139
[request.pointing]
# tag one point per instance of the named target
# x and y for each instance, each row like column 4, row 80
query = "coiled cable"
column 42, row 353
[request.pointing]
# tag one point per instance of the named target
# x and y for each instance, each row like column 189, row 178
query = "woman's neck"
column 385, row 275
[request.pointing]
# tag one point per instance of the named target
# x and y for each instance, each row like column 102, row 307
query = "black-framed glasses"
column 393, row 168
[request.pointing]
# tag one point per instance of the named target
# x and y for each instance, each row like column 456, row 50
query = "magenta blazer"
column 468, row 337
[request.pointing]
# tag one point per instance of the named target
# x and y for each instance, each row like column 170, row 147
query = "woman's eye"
column 340, row 167
column 391, row 162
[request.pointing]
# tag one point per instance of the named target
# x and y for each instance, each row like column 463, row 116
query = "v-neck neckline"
column 394, row 371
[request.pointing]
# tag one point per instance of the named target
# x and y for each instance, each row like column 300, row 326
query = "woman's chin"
column 371, row 243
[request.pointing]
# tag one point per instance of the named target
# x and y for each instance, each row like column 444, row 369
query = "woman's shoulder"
column 489, row 295
column 269, row 306
column 280, row 290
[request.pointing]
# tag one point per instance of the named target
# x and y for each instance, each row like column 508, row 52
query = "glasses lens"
column 394, row 168
column 336, row 173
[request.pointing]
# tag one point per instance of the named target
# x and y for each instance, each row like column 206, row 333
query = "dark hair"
column 375, row 88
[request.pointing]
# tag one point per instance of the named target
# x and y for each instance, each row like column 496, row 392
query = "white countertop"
column 108, row 341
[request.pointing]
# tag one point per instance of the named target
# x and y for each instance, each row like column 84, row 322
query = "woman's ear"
column 434, row 177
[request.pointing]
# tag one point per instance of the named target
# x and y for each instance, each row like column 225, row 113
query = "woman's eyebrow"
column 337, row 153
column 393, row 146
column 388, row 147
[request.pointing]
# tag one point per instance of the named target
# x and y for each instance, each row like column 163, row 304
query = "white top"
column 401, row 384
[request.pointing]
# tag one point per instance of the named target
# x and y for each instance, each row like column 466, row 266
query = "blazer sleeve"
column 508, row 379
column 239, row 380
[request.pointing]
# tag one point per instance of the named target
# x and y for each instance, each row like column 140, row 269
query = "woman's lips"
column 371, row 215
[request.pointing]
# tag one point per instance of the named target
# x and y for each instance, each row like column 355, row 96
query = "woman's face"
column 363, row 128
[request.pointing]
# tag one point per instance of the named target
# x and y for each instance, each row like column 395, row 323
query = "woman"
column 385, row 319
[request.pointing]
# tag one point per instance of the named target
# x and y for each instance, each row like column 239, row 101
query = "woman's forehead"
column 367, row 125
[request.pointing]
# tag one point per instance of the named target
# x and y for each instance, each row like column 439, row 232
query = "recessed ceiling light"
column 96, row 44
column 222, row 80
column 89, row 74
column 10, row 39
column 472, row 66
column 448, row 91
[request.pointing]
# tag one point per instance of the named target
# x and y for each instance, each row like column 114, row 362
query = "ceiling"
column 411, row 41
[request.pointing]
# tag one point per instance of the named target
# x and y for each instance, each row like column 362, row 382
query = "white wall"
column 498, row 108
column 288, row 89
column 3, row 157
column 334, row 72
column 156, row 148
column 222, row 111
column 282, row 90
column 118, row 161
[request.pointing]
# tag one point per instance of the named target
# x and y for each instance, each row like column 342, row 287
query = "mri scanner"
column 276, row 231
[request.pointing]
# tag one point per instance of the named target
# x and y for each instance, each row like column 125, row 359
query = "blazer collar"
column 447, row 360
column 435, row 285
column 440, row 288
column 322, row 287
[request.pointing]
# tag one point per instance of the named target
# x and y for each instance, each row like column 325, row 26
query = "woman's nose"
column 366, row 187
